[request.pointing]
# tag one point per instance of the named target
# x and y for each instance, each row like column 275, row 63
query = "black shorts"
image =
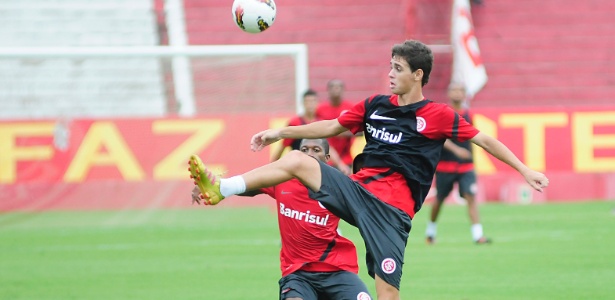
column 384, row 228
column 445, row 182
column 323, row 285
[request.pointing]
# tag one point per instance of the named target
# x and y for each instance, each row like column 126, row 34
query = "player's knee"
column 296, row 160
column 469, row 198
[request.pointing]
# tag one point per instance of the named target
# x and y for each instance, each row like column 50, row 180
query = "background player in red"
column 330, row 110
column 316, row 262
column 456, row 166
column 310, row 103
column 404, row 135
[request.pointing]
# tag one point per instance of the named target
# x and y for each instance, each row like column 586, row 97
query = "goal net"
column 151, row 81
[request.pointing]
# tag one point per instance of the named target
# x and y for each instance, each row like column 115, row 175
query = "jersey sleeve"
column 353, row 118
column 442, row 122
column 269, row 191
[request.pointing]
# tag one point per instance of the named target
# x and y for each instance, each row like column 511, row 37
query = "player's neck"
column 411, row 97
column 308, row 118
column 457, row 106
column 336, row 101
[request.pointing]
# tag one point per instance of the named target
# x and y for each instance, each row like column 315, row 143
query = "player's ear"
column 418, row 75
column 327, row 156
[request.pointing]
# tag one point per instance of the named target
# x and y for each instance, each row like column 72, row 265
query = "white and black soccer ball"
column 254, row 16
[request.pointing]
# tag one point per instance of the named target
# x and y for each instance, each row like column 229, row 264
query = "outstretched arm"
column 536, row 179
column 338, row 163
column 277, row 153
column 460, row 152
column 315, row 130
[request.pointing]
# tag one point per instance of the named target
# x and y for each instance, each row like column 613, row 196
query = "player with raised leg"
column 404, row 135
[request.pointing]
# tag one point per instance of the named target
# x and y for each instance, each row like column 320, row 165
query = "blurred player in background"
column 456, row 166
column 316, row 262
column 331, row 110
column 404, row 135
column 310, row 103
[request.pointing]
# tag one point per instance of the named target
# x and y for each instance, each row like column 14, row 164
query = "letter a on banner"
column 468, row 67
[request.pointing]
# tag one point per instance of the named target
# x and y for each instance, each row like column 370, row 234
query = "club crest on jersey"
column 420, row 124
column 388, row 265
column 363, row 296
column 383, row 135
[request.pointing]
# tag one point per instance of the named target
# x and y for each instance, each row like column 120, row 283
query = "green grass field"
column 548, row 251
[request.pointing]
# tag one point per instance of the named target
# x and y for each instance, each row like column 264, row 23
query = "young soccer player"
column 456, row 166
column 404, row 135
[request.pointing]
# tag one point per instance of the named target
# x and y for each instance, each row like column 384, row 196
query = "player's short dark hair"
column 323, row 142
column 418, row 56
column 310, row 92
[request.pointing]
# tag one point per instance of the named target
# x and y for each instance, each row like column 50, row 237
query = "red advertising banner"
column 142, row 162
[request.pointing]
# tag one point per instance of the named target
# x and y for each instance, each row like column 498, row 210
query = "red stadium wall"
column 141, row 163
column 347, row 39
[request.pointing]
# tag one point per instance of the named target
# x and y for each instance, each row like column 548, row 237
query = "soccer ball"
column 254, row 16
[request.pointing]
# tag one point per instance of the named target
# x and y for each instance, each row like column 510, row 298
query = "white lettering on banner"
column 383, row 135
column 303, row 216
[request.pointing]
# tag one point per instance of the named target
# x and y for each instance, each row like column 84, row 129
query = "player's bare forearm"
column 499, row 151
column 337, row 161
column 315, row 130
column 458, row 151
column 536, row 179
column 319, row 129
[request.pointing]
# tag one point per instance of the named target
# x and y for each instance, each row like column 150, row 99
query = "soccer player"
column 456, row 166
column 331, row 110
column 404, row 135
column 310, row 103
column 316, row 262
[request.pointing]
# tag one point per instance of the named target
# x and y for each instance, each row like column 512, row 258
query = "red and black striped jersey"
column 404, row 140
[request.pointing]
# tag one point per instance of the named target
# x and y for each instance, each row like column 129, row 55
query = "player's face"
column 310, row 103
column 335, row 89
column 457, row 94
column 314, row 149
column 401, row 77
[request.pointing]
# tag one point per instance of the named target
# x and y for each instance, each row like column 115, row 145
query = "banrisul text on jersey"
column 303, row 216
column 382, row 134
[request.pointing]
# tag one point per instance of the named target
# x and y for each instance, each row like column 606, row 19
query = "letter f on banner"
column 468, row 67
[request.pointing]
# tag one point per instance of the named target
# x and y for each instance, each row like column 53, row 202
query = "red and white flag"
column 468, row 67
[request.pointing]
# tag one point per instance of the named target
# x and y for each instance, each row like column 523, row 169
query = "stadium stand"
column 568, row 61
column 47, row 88
column 347, row 39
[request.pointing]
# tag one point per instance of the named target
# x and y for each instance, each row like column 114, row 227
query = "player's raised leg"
column 292, row 165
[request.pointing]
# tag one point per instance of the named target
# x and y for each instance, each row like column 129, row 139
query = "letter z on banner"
column 468, row 67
